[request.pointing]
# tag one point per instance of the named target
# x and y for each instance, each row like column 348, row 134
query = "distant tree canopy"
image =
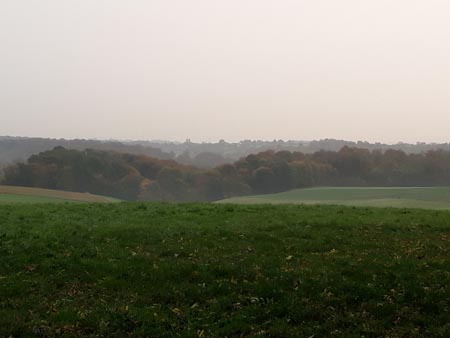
column 201, row 155
column 139, row 177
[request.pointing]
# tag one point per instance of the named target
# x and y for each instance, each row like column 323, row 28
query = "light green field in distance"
column 10, row 194
column 400, row 197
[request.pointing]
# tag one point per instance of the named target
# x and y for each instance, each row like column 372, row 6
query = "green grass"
column 12, row 194
column 212, row 270
column 8, row 198
column 414, row 197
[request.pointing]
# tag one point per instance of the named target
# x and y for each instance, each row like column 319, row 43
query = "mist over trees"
column 202, row 155
column 139, row 177
column 16, row 149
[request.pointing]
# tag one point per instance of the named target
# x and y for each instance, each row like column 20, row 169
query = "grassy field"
column 213, row 270
column 10, row 194
column 415, row 197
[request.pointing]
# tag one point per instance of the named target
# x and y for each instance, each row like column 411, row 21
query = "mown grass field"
column 11, row 194
column 414, row 197
column 213, row 270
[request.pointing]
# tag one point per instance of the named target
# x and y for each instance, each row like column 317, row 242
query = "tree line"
column 140, row 177
column 202, row 155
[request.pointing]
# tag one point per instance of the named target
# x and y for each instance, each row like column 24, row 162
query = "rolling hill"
column 401, row 197
column 12, row 194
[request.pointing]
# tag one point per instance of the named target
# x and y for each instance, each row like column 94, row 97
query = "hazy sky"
column 235, row 69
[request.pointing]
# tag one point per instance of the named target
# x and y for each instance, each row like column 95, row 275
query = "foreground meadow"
column 211, row 270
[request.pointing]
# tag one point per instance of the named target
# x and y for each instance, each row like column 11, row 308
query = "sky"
column 236, row 69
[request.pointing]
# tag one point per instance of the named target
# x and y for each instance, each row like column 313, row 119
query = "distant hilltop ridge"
column 200, row 154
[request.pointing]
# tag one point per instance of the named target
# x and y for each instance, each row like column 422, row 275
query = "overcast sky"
column 235, row 69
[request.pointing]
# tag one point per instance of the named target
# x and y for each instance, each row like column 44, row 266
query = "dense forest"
column 139, row 177
column 202, row 155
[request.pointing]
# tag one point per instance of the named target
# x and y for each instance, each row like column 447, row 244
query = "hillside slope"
column 11, row 194
column 401, row 197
